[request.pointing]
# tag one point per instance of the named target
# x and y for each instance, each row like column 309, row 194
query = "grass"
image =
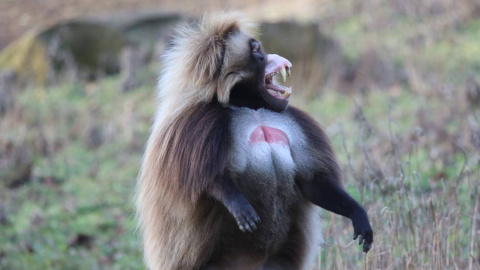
column 76, row 213
column 409, row 153
column 422, row 196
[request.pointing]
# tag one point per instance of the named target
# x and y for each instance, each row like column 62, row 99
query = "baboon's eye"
column 255, row 45
column 256, row 48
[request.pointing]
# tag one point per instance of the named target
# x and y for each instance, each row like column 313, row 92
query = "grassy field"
column 410, row 150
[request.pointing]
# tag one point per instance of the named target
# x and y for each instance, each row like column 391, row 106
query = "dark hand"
column 246, row 217
column 362, row 228
column 227, row 194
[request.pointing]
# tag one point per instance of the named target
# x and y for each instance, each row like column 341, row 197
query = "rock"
column 315, row 57
column 86, row 48
column 295, row 41
column 27, row 57
column 143, row 28
column 77, row 49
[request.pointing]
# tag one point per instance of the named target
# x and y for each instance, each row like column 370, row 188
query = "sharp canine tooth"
column 284, row 74
column 289, row 73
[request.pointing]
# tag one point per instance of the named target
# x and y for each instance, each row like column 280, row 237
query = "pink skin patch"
column 269, row 135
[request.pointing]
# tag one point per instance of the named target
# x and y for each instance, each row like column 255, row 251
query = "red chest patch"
column 269, row 135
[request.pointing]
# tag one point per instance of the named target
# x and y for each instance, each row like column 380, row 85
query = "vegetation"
column 409, row 150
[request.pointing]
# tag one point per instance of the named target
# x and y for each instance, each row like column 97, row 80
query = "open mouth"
column 281, row 68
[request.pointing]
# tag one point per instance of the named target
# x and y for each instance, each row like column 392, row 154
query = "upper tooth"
column 283, row 72
column 289, row 72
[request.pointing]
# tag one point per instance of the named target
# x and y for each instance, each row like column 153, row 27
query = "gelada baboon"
column 232, row 176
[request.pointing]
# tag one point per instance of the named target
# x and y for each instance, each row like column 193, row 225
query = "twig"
column 350, row 163
column 472, row 237
column 393, row 139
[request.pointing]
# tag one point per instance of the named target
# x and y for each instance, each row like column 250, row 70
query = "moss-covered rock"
column 84, row 49
column 87, row 48
column 27, row 56
column 77, row 49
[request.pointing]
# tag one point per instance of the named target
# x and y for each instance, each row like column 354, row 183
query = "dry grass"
column 410, row 150
column 421, row 191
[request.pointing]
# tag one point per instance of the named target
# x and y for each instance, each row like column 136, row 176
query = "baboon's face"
column 259, row 87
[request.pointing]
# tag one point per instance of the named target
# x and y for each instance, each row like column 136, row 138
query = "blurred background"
column 395, row 84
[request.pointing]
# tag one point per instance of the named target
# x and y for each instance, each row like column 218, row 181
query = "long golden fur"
column 192, row 76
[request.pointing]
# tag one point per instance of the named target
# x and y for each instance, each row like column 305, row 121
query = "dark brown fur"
column 198, row 154
column 319, row 143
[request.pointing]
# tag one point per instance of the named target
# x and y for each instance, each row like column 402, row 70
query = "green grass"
column 77, row 190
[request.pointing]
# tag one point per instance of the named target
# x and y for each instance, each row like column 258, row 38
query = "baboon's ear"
column 224, row 88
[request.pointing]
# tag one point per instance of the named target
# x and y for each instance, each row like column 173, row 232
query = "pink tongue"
column 275, row 63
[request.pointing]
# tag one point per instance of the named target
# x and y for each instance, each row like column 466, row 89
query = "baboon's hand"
column 227, row 194
column 362, row 228
column 246, row 217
